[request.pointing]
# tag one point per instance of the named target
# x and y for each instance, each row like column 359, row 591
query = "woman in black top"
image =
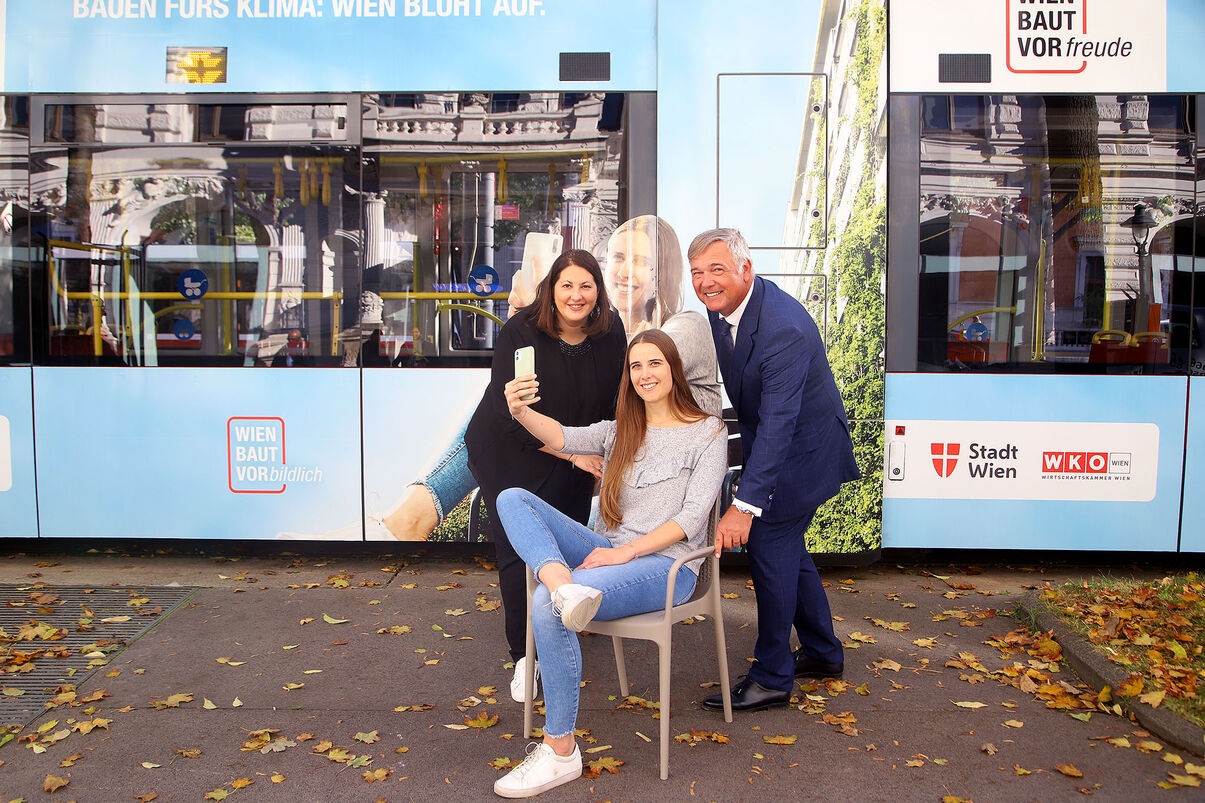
column 579, row 346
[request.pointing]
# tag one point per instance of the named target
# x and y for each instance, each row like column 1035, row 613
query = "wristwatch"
column 742, row 507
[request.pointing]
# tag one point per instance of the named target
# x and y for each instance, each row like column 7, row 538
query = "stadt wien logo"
column 945, row 457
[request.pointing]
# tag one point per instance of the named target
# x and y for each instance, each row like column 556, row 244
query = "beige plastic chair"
column 654, row 626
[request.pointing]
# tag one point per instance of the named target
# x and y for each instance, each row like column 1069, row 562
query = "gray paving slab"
column 905, row 715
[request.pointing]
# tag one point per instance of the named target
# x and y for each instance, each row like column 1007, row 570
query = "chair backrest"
column 711, row 564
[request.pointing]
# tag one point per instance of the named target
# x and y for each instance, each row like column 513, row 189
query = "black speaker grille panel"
column 964, row 68
column 585, row 66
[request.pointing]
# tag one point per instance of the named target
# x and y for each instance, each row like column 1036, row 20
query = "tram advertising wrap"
column 196, row 453
column 1192, row 520
column 1012, row 478
column 18, row 505
column 316, row 46
column 181, row 245
column 1045, row 311
column 203, row 192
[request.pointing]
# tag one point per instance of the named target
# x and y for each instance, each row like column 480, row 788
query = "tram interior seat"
column 1117, row 347
column 976, row 351
column 80, row 344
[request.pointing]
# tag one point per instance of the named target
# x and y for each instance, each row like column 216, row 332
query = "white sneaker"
column 542, row 770
column 516, row 682
column 577, row 604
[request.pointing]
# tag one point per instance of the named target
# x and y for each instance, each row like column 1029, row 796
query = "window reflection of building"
column 14, row 228
column 458, row 179
column 1022, row 201
column 266, row 200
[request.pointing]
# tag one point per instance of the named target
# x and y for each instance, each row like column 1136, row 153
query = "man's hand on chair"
column 733, row 530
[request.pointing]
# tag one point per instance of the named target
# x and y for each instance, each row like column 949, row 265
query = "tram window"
column 200, row 257
column 1029, row 259
column 14, row 230
column 16, row 113
column 968, row 113
column 238, row 250
column 460, row 185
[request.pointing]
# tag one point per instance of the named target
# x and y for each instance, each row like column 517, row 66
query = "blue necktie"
column 724, row 346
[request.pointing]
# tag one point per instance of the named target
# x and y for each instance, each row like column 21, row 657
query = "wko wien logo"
column 945, row 457
column 1108, row 463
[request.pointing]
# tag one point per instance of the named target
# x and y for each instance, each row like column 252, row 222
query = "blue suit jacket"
column 794, row 435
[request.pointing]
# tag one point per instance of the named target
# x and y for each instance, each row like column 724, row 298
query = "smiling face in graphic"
column 631, row 274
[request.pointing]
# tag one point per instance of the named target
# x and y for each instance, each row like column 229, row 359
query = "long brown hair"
column 631, row 421
column 543, row 309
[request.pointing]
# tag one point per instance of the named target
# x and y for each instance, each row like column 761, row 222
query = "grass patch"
column 1152, row 629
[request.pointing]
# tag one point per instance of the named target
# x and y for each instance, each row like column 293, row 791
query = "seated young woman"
column 664, row 459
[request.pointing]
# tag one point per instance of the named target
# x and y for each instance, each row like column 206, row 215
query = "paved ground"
column 298, row 642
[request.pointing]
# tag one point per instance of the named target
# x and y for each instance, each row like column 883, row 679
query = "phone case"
column 525, row 364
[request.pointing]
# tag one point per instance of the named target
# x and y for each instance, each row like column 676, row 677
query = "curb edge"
column 1098, row 671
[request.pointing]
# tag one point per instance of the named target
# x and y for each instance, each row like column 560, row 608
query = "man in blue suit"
column 797, row 452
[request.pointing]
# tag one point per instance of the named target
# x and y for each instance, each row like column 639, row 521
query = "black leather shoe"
column 811, row 668
column 749, row 695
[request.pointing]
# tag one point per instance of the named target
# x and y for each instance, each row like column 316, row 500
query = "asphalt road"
column 297, row 642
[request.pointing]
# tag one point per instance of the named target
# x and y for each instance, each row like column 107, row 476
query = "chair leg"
column 663, row 656
column 529, row 679
column 721, row 649
column 620, row 668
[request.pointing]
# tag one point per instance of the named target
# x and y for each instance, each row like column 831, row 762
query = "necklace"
column 574, row 350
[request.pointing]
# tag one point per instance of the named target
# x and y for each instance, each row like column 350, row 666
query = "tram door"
column 1189, row 353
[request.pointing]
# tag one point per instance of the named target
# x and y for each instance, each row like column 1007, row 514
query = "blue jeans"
column 449, row 480
column 541, row 534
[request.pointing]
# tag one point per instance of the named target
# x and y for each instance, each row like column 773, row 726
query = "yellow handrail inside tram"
column 447, row 305
column 97, row 298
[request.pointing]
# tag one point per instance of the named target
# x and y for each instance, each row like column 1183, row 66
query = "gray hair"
column 729, row 237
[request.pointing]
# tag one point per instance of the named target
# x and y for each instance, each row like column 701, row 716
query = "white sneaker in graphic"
column 375, row 530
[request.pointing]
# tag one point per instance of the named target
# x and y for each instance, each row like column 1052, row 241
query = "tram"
column 253, row 256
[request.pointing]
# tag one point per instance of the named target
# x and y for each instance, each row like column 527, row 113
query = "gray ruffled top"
column 676, row 477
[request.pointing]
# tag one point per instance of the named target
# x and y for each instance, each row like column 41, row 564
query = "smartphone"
column 540, row 250
column 525, row 365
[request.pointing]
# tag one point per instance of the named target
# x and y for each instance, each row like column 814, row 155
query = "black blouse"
column 578, row 386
